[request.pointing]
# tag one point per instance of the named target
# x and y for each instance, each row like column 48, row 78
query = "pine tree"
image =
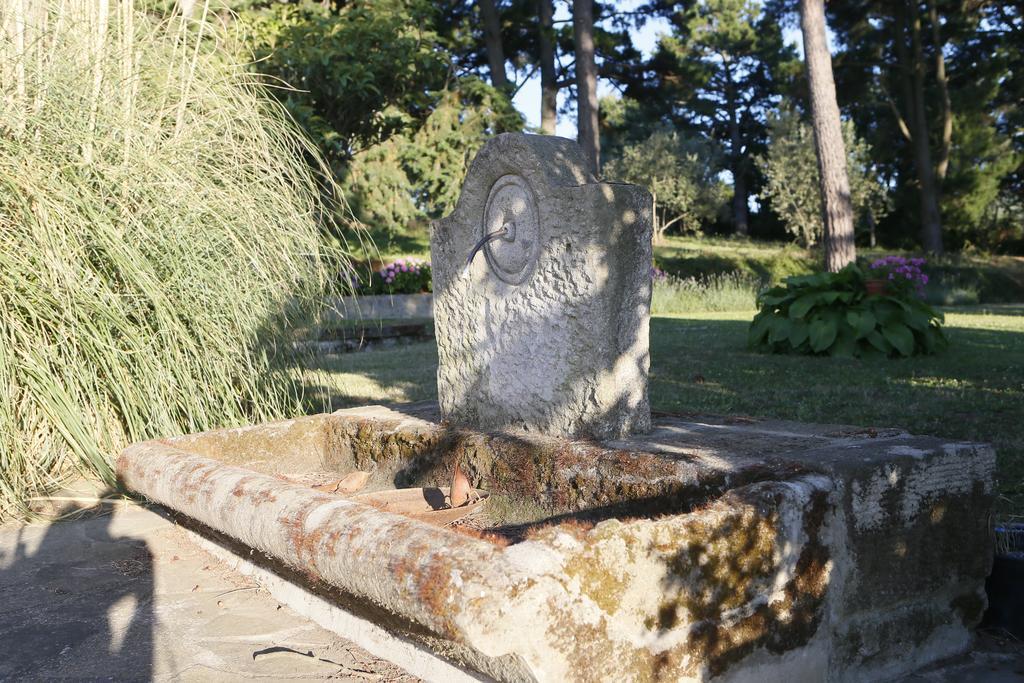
column 837, row 207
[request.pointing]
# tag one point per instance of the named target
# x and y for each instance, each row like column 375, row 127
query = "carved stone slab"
column 548, row 330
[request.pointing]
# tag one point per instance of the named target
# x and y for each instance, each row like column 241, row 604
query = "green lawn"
column 700, row 363
column 956, row 278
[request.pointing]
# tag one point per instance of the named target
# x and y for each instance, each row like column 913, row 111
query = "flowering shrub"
column 404, row 276
column 904, row 275
column 832, row 313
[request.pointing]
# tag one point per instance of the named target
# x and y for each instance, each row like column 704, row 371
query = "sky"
column 527, row 100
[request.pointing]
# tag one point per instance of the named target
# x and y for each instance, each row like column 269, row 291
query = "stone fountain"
column 610, row 548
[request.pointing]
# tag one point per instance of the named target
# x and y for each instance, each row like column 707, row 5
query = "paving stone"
column 124, row 594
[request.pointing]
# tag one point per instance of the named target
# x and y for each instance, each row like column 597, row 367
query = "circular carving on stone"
column 511, row 203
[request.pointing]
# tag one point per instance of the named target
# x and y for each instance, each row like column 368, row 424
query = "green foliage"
column 831, row 313
column 698, row 258
column 159, row 232
column 964, row 278
column 791, row 177
column 986, row 278
column 977, row 208
column 371, row 83
column 875, row 70
column 680, row 173
column 727, row 292
column 418, row 174
column 358, row 72
column 723, row 66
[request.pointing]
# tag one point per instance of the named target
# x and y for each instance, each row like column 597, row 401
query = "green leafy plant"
column 831, row 313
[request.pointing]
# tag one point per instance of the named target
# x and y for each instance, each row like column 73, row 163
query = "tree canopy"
column 400, row 93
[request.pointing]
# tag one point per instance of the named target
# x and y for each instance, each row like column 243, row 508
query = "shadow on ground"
column 77, row 600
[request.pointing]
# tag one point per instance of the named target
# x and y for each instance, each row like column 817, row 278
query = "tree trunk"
column 947, row 108
column 548, row 77
column 586, row 82
column 931, row 222
column 492, row 40
column 740, row 211
column 828, row 140
column 740, row 216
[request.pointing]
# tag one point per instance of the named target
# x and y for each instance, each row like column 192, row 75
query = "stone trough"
column 705, row 549
column 609, row 546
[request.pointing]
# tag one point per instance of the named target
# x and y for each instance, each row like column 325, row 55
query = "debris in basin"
column 462, row 492
column 425, row 504
column 350, row 483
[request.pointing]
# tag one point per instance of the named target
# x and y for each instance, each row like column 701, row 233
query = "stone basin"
column 706, row 549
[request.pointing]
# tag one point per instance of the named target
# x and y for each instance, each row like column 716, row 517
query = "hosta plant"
column 832, row 313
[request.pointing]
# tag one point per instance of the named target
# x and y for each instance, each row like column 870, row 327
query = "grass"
column 159, row 230
column 956, row 278
column 700, row 363
column 725, row 292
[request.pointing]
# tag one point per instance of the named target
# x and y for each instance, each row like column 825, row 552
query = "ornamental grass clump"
column 159, row 229
column 834, row 314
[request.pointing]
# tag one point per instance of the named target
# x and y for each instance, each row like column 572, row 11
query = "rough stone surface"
column 720, row 549
column 549, row 332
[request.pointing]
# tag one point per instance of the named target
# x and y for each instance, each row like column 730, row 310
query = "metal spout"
column 486, row 239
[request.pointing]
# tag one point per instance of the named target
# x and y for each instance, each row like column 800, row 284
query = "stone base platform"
column 708, row 549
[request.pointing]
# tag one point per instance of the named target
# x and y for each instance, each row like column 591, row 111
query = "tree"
column 548, row 76
column 375, row 87
column 418, row 174
column 495, row 52
column 724, row 66
column 913, row 70
column 828, row 137
column 358, row 74
column 935, row 86
column 680, row 174
column 586, row 82
column 792, row 186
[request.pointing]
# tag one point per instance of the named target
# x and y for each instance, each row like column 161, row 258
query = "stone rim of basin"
column 489, row 600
